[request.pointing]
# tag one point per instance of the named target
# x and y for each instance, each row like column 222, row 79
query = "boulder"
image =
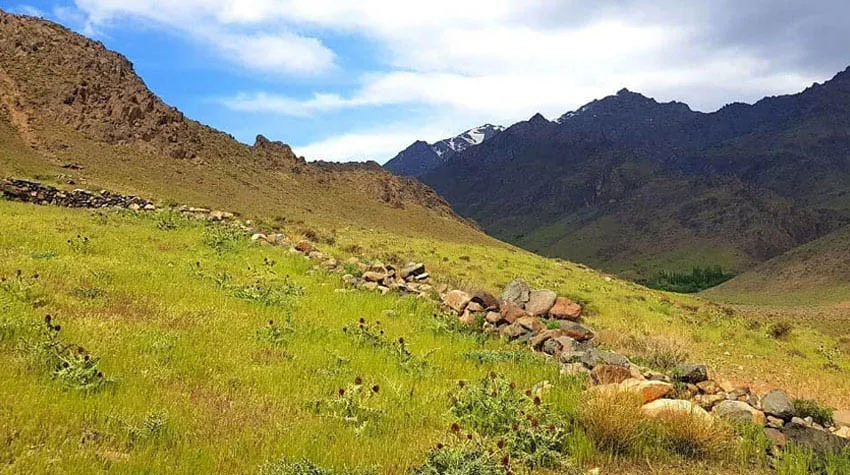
column 776, row 437
column 817, row 440
column 708, row 401
column 608, row 374
column 663, row 407
column 513, row 331
column 540, row 302
column 542, row 337
column 511, row 312
column 304, row 247
column 691, row 373
column 708, row 387
column 532, row 323
column 474, row 306
column 576, row 331
column 565, row 309
column 740, row 412
column 517, row 292
column 457, row 300
column 493, row 318
column 373, row 276
column 593, row 357
column 649, row 390
column 841, row 418
column 776, row 403
column 843, row 432
column 486, row 300
column 412, row 270
column 560, row 344
column 468, row 318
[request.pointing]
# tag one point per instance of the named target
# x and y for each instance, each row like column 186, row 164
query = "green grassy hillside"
column 197, row 379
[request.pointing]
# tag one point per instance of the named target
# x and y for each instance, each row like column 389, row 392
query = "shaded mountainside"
column 421, row 157
column 635, row 186
column 73, row 111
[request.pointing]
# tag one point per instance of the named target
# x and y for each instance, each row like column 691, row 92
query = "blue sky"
column 355, row 80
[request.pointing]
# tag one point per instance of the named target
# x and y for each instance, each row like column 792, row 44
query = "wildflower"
column 506, row 460
column 455, row 427
column 501, row 443
column 439, row 446
column 358, row 380
column 537, row 400
column 341, row 392
column 375, row 389
column 461, row 383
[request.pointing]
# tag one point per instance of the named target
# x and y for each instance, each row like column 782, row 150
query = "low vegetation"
column 697, row 280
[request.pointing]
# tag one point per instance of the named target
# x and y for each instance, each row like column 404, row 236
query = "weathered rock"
column 474, row 306
column 540, row 302
column 776, row 437
column 841, row 418
column 574, row 369
column 740, row 412
column 607, row 374
column 576, row 331
column 691, row 373
column 708, row 387
column 843, row 432
column 532, row 323
column 776, row 403
column 304, row 247
column 560, row 344
column 593, row 357
column 565, row 309
column 649, row 390
column 412, row 270
column 486, row 300
column 493, row 318
column 517, row 292
column 457, row 300
column 663, row 407
column 775, row 422
column 511, row 312
column 818, row 440
column 513, row 331
column 468, row 318
column 373, row 276
column 542, row 337
column 708, row 401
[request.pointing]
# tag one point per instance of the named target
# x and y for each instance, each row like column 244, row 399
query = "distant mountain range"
column 634, row 186
column 422, row 157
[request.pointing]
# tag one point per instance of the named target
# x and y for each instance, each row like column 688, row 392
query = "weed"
column 613, row 420
column 352, row 269
column 498, row 356
column 277, row 334
column 351, row 405
column 270, row 295
column 69, row 364
column 464, row 458
column 45, row 255
column 371, row 334
column 79, row 245
column 222, row 238
column 780, row 330
column 24, row 289
column 306, row 467
column 809, row 408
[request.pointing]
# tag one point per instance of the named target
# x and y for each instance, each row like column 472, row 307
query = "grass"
column 242, row 359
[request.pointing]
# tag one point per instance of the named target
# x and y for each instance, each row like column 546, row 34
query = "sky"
column 345, row 80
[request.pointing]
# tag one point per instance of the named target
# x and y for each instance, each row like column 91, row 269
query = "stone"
column 776, row 437
column 513, row 331
column 708, row 387
column 486, row 300
column 691, row 373
column 532, row 323
column 370, row 286
column 776, row 403
column 517, row 292
column 565, row 309
column 540, row 302
column 304, row 247
column 775, row 422
column 372, row 276
column 542, row 337
column 841, row 418
column 457, row 300
column 559, row 344
column 592, row 357
column 662, row 407
column 474, row 306
column 608, row 374
column 493, row 317
column 649, row 390
column 468, row 318
column 511, row 312
column 576, row 331
column 708, row 401
column 740, row 412
column 412, row 270
column 817, row 440
column 258, row 237
column 843, row 432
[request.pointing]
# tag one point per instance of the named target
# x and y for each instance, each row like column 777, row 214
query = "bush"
column 467, row 458
column 613, row 419
column 305, row 467
column 780, row 330
column 808, row 408
column 700, row 278
column 222, row 238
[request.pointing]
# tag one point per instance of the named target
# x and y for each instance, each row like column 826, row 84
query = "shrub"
column 222, row 238
column 613, row 419
column 780, row 330
column 700, row 278
column 808, row 408
column 465, row 458
column 170, row 220
column 269, row 295
column 351, row 404
column 689, row 436
column 306, row 467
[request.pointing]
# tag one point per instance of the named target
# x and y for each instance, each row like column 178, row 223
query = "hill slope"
column 74, row 113
column 634, row 186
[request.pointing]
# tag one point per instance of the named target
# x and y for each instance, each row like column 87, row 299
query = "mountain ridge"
column 422, row 157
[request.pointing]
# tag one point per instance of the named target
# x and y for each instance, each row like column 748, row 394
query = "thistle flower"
column 455, row 427
column 358, row 380
column 537, row 400
column 341, row 392
column 376, row 388
column 501, row 443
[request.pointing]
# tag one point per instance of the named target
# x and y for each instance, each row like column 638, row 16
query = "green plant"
column 780, row 330
column 282, row 294
column 169, row 220
column 277, row 334
column 222, row 238
column 463, row 458
column 700, row 278
column 306, row 467
column 79, row 245
column 351, row 405
column 371, row 334
column 808, row 408
column 24, row 289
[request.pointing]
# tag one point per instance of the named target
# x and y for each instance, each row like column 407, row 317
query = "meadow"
column 174, row 346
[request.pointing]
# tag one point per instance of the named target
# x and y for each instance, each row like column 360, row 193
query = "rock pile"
column 553, row 325
column 34, row 192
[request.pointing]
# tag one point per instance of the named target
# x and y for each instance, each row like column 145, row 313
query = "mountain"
column 635, row 186
column 421, row 157
column 74, row 113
